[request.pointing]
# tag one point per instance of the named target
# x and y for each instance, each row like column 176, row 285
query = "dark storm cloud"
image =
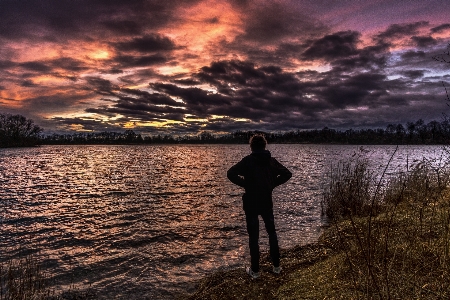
column 51, row 66
column 127, row 61
column 273, row 21
column 414, row 74
column 269, row 98
column 251, row 80
column 153, row 98
column 396, row 31
column 35, row 107
column 341, row 50
column 138, row 109
column 424, row 41
column 198, row 102
column 36, row 66
column 147, row 43
column 124, row 27
column 226, row 73
column 66, row 18
column 133, row 103
column 6, row 64
column 440, row 28
column 269, row 94
column 102, row 86
column 369, row 58
column 189, row 82
column 28, row 83
column 86, row 123
column 330, row 47
column 413, row 54
column 107, row 88
column 69, row 64
column 357, row 90
column 112, row 71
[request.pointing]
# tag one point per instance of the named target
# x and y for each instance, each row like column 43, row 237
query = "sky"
column 190, row 66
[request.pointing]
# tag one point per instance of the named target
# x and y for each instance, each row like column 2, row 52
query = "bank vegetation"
column 388, row 238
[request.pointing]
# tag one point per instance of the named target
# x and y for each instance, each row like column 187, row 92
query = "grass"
column 24, row 279
column 388, row 238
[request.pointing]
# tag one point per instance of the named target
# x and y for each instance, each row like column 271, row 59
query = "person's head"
column 258, row 142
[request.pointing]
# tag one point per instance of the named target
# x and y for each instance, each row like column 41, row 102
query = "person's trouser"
column 253, row 236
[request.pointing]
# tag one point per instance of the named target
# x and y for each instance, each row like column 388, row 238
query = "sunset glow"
column 219, row 66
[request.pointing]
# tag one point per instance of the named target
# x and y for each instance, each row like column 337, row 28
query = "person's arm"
column 283, row 174
column 235, row 174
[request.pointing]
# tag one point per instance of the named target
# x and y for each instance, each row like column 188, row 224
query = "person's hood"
column 263, row 155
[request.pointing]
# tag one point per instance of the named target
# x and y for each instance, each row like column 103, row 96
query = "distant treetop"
column 18, row 131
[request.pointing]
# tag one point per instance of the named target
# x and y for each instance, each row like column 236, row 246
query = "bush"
column 398, row 246
column 349, row 190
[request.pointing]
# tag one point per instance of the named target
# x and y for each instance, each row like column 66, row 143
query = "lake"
column 148, row 220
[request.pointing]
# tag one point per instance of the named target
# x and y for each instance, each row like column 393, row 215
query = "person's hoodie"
column 258, row 173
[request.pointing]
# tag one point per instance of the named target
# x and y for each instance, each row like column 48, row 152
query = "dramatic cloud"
column 333, row 46
column 208, row 65
column 148, row 43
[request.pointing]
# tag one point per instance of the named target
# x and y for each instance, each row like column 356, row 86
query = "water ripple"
column 145, row 221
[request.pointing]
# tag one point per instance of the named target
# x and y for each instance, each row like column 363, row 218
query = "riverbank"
column 389, row 244
column 300, row 265
column 328, row 269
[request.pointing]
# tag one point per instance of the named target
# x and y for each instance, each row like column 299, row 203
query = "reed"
column 23, row 279
column 348, row 192
column 396, row 237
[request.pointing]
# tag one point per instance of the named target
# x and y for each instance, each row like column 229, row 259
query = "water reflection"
column 147, row 220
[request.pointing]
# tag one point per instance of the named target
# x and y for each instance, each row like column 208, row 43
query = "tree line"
column 417, row 132
column 17, row 131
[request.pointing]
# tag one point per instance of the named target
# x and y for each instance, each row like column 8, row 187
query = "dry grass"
column 236, row 284
column 390, row 242
column 24, row 279
column 349, row 189
column 402, row 252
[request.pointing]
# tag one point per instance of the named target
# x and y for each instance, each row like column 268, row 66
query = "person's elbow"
column 233, row 177
column 288, row 175
column 283, row 178
column 230, row 175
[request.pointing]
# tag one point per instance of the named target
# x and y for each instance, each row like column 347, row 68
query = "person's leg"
column 253, row 237
column 269, row 222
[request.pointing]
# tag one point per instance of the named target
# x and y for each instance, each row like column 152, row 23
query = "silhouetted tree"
column 415, row 133
column 18, row 131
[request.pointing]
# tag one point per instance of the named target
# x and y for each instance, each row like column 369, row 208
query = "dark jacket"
column 258, row 173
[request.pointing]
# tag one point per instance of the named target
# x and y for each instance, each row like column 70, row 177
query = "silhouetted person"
column 259, row 173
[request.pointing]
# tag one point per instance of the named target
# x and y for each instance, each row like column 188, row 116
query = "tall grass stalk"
column 396, row 237
column 23, row 279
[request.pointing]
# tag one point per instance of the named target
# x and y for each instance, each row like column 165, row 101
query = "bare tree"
column 18, row 131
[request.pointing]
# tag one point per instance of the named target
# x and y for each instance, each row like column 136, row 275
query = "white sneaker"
column 252, row 274
column 276, row 270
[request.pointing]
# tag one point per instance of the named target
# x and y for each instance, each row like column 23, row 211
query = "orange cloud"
column 204, row 24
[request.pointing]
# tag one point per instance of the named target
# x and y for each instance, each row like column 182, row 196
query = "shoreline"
column 236, row 284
